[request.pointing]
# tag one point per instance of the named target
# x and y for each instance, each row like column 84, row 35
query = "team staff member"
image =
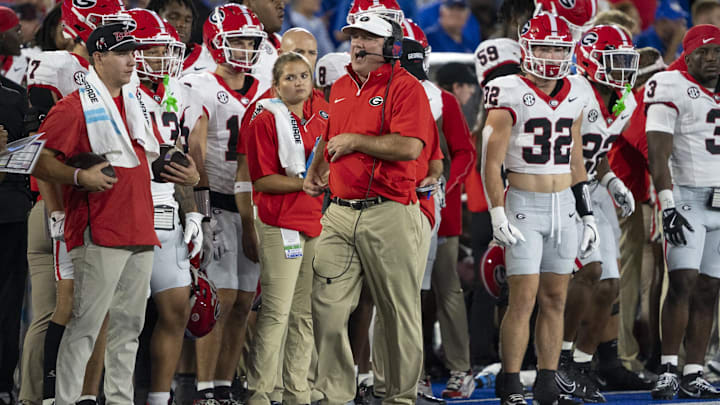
column 288, row 225
column 676, row 101
column 371, row 231
column 112, row 259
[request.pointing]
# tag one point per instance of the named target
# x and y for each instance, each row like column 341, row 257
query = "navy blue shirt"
column 440, row 41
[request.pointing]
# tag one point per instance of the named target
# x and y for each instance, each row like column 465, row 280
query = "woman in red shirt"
column 279, row 144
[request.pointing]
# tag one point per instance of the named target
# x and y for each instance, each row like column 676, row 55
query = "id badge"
column 715, row 199
column 164, row 218
column 291, row 243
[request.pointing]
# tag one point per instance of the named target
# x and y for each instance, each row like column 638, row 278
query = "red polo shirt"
column 357, row 107
column 462, row 159
column 121, row 216
column 296, row 210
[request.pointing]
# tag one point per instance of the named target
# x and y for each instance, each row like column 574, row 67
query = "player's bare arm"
column 577, row 163
column 659, row 149
column 496, row 137
column 393, row 147
column 316, row 178
column 50, row 169
column 243, row 200
column 197, row 146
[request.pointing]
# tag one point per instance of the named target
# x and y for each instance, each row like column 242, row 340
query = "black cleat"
column 667, row 385
column 514, row 399
column 697, row 387
column 621, row 379
column 587, row 388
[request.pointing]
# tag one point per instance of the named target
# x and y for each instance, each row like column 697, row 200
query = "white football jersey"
column 600, row 127
column 171, row 125
column 541, row 141
column 434, row 95
column 264, row 66
column 14, row 67
column 225, row 109
column 198, row 60
column 62, row 72
column 493, row 53
column 695, row 158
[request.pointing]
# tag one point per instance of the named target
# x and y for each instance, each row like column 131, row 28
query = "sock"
column 669, row 359
column 580, row 356
column 567, row 345
column 546, row 391
column 222, row 389
column 206, row 389
column 158, row 398
column 692, row 369
column 92, row 398
column 52, row 344
column 511, row 383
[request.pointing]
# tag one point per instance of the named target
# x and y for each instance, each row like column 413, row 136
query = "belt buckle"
column 357, row 205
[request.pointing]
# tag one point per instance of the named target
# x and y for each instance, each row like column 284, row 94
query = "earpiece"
column 392, row 48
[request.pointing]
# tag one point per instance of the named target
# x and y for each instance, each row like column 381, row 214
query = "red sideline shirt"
column 628, row 157
column 462, row 159
column 431, row 151
column 314, row 105
column 356, row 108
column 297, row 211
column 129, row 199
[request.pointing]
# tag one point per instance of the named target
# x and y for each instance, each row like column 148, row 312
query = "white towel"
column 291, row 149
column 106, row 131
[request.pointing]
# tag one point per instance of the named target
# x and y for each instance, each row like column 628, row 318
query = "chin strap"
column 170, row 102
column 620, row 104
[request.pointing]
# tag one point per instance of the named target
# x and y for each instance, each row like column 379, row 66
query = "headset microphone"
column 363, row 54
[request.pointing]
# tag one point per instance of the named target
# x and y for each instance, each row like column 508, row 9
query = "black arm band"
column 583, row 204
column 202, row 200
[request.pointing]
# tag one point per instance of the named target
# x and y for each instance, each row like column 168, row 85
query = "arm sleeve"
column 459, row 141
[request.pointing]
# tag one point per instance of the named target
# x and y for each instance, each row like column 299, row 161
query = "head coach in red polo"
column 379, row 123
column 109, row 226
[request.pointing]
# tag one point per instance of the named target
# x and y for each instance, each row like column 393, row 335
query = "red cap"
column 700, row 35
column 8, row 19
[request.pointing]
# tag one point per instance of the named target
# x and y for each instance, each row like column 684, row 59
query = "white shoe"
column 460, row 385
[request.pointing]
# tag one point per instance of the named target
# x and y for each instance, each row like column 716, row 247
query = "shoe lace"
column 456, row 380
column 702, row 384
column 667, row 380
column 516, row 399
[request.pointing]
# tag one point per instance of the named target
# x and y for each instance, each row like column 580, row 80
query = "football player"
column 234, row 37
column 533, row 129
column 172, row 107
column 607, row 63
column 683, row 108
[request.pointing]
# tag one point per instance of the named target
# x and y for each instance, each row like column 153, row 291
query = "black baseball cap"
column 111, row 37
column 412, row 58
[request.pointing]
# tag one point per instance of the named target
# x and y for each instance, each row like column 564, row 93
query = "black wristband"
column 583, row 204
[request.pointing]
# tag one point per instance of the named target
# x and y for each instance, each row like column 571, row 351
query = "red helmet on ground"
column 546, row 30
column 205, row 307
column 388, row 9
column 151, row 31
column 577, row 13
column 228, row 22
column 492, row 269
column 606, row 55
column 81, row 17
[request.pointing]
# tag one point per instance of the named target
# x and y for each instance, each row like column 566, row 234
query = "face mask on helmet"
column 241, row 51
column 618, row 69
column 155, row 60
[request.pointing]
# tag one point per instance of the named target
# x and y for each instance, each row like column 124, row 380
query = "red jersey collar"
column 82, row 61
column 158, row 95
column 244, row 99
column 557, row 100
column 193, row 56
column 714, row 96
column 608, row 117
column 273, row 39
column 375, row 75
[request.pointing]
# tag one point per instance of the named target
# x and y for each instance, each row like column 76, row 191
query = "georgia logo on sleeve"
column 376, row 101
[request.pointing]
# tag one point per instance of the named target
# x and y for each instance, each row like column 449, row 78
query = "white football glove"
column 193, row 231
column 590, row 240
column 213, row 246
column 504, row 232
column 619, row 192
column 57, row 225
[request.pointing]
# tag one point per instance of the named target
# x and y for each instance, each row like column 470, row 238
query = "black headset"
column 392, row 47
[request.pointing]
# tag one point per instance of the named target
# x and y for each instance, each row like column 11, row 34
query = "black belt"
column 224, row 201
column 359, row 204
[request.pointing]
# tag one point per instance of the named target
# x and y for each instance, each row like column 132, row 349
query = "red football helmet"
column 492, row 269
column 414, row 32
column 151, row 31
column 388, row 9
column 205, row 307
column 545, row 30
column 226, row 23
column 606, row 55
column 81, row 17
column 578, row 14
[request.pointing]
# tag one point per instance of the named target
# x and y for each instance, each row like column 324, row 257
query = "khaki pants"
column 450, row 303
column 113, row 282
column 379, row 245
column 637, row 265
column 285, row 312
column 42, row 281
column 379, row 349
